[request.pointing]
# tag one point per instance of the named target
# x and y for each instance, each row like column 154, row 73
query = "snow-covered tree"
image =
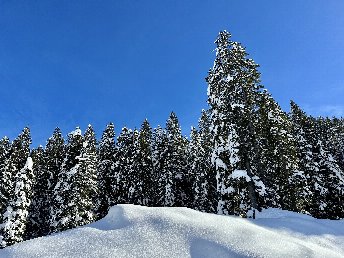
column 233, row 91
column 328, row 178
column 39, row 206
column 14, row 161
column 176, row 163
column 64, row 209
column 106, row 152
column 123, row 169
column 87, row 178
column 199, row 167
column 302, row 129
column 145, row 171
column 323, row 177
column 163, row 181
column 277, row 157
column 6, row 177
column 15, row 217
column 55, row 153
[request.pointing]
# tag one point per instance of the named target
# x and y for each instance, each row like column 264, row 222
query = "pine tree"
column 124, row 157
column 17, row 158
column 177, row 177
column 6, row 178
column 87, row 178
column 199, row 169
column 302, row 131
column 66, row 191
column 233, row 91
column 329, row 181
column 15, row 217
column 106, row 153
column 39, row 207
column 163, row 183
column 209, row 175
column 336, row 140
column 278, row 160
column 55, row 152
column 145, row 171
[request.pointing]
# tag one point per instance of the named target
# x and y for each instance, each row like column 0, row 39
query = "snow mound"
column 136, row 231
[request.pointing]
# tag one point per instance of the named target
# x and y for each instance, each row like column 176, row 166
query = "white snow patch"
column 29, row 163
column 240, row 174
column 77, row 131
column 136, row 231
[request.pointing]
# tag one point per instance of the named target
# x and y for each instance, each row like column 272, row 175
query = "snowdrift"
column 135, row 231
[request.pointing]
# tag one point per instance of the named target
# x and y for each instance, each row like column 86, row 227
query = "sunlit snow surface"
column 135, row 231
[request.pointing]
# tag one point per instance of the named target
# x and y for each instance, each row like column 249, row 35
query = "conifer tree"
column 15, row 217
column 199, row 169
column 17, row 158
column 6, row 178
column 209, row 175
column 329, row 178
column 66, row 191
column 311, row 160
column 278, row 160
column 132, row 169
column 233, row 90
column 163, row 182
column 123, row 167
column 177, row 177
column 87, row 178
column 106, row 153
column 146, row 177
column 39, row 207
column 336, row 140
column 76, row 190
column 55, row 153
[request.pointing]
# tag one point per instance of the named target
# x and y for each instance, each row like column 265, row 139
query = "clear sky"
column 69, row 63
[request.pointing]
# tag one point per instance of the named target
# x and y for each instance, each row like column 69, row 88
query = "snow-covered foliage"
column 15, row 217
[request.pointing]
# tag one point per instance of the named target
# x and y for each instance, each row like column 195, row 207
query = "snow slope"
column 135, row 231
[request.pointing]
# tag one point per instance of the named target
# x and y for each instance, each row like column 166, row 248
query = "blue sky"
column 70, row 63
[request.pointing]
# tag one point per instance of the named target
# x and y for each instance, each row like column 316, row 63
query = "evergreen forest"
column 245, row 154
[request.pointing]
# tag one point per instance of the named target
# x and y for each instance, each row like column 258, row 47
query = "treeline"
column 246, row 154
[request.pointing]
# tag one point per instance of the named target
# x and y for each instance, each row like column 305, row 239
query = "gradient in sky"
column 71, row 63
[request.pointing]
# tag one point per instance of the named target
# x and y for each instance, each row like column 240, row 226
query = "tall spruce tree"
column 6, row 178
column 163, row 180
column 123, row 170
column 55, row 153
column 145, row 171
column 329, row 183
column 199, row 169
column 177, row 177
column 76, row 190
column 15, row 217
column 132, row 169
column 278, row 161
column 106, row 152
column 18, row 182
column 209, row 175
column 39, row 207
column 87, row 178
column 310, row 151
column 66, row 191
column 233, row 91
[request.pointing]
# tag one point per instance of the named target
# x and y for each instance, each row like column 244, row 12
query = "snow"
column 240, row 174
column 136, row 231
column 29, row 163
column 76, row 132
column 228, row 78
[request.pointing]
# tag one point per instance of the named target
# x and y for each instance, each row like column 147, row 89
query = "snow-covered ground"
column 135, row 231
